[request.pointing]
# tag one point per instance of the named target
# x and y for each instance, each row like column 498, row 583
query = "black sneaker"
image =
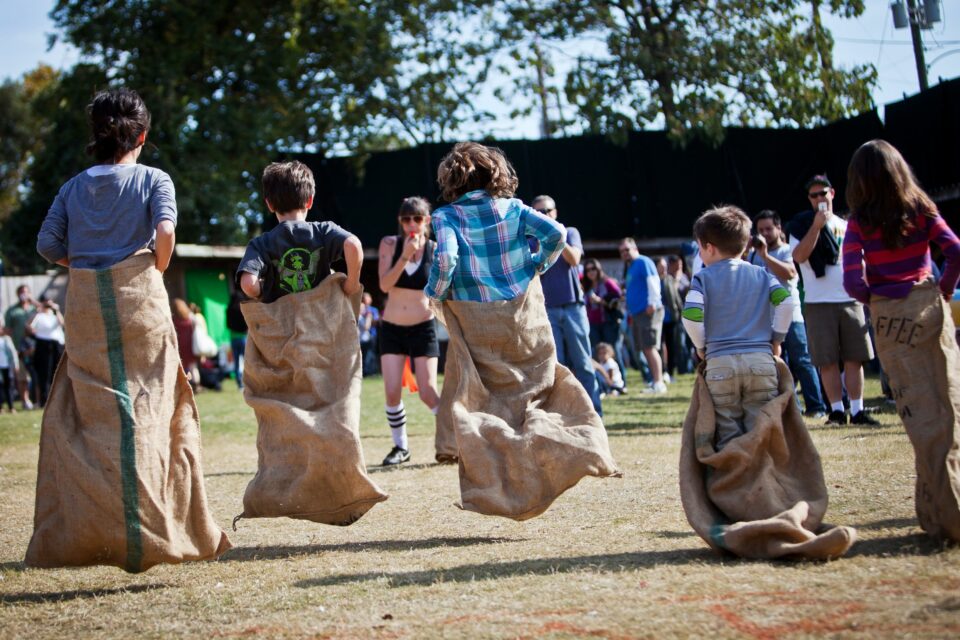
column 837, row 417
column 864, row 418
column 397, row 455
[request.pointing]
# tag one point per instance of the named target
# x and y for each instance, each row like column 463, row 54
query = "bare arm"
column 801, row 253
column 250, row 285
column 572, row 255
column 166, row 239
column 390, row 273
column 779, row 268
column 353, row 256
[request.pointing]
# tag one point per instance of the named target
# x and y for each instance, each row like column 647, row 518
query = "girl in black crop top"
column 408, row 328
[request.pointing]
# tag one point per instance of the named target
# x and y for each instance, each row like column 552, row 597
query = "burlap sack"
column 763, row 494
column 119, row 479
column 302, row 376
column 916, row 340
column 526, row 430
column 445, row 441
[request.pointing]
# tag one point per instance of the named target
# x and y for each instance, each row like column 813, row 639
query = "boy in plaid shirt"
column 482, row 249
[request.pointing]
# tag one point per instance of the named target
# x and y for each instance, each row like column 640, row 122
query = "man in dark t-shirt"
column 566, row 309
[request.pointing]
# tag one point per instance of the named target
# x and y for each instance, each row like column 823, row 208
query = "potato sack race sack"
column 763, row 495
column 916, row 341
column 119, row 479
column 526, row 430
column 302, row 378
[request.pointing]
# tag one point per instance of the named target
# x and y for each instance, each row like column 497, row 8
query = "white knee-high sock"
column 397, row 419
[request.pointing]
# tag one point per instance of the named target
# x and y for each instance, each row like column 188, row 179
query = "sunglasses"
column 818, row 194
column 406, row 219
column 544, row 210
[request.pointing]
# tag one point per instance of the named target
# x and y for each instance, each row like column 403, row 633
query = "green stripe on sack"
column 128, row 449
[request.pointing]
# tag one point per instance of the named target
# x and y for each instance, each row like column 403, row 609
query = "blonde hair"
column 471, row 166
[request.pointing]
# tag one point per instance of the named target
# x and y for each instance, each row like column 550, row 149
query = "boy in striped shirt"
column 736, row 314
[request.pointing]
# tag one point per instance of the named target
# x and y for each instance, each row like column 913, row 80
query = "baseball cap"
column 820, row 178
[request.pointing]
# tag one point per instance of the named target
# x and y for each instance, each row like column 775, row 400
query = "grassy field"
column 612, row 558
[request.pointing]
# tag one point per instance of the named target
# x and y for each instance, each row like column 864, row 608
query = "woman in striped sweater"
column 886, row 264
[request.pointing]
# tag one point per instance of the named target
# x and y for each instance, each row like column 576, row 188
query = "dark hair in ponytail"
column 117, row 119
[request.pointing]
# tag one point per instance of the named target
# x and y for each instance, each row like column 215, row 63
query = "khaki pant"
column 739, row 384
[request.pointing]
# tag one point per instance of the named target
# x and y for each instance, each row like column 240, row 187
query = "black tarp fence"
column 651, row 188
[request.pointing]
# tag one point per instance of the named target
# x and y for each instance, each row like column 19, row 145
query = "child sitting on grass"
column 608, row 371
column 736, row 314
column 295, row 255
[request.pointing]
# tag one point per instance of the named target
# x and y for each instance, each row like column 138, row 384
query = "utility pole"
column 545, row 128
column 916, row 16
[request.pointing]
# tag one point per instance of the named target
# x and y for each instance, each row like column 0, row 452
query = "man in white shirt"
column 836, row 325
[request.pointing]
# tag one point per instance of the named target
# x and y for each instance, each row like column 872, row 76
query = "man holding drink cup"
column 836, row 325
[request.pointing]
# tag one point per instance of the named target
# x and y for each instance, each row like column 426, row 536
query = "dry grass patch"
column 611, row 559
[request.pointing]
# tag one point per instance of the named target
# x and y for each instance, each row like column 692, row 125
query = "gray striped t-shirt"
column 735, row 301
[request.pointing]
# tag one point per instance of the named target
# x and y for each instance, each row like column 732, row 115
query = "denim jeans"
column 238, row 345
column 802, row 369
column 571, row 334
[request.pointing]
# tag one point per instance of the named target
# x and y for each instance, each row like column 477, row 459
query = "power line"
column 885, row 42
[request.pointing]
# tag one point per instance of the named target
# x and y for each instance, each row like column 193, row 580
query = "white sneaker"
column 666, row 378
column 658, row 387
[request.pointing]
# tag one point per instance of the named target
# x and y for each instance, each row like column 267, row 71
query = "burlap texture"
column 763, row 494
column 445, row 442
column 302, row 376
column 119, row 479
column 526, row 430
column 916, row 340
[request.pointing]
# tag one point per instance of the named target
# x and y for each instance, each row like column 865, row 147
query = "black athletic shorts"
column 415, row 340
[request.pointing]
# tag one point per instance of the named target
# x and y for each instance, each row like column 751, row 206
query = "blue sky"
column 870, row 38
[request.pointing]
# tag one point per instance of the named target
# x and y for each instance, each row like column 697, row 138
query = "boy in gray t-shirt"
column 736, row 315
column 295, row 255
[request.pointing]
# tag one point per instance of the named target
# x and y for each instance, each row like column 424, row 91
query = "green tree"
column 232, row 85
column 58, row 110
column 696, row 66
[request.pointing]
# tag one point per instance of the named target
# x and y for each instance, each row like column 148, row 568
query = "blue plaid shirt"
column 482, row 250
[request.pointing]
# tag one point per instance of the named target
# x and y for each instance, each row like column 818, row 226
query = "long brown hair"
column 883, row 193
column 586, row 282
column 471, row 166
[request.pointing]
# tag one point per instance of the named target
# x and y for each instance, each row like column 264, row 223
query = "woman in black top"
column 408, row 327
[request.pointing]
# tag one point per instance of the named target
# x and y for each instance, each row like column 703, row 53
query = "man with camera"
column 774, row 255
column 836, row 325
column 17, row 319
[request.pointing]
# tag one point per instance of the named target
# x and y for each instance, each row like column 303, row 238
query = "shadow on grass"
column 223, row 474
column 890, row 523
column 243, row 554
column 376, row 468
column 675, row 534
column 64, row 596
column 648, row 427
column 539, row 566
column 12, row 566
column 913, row 544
